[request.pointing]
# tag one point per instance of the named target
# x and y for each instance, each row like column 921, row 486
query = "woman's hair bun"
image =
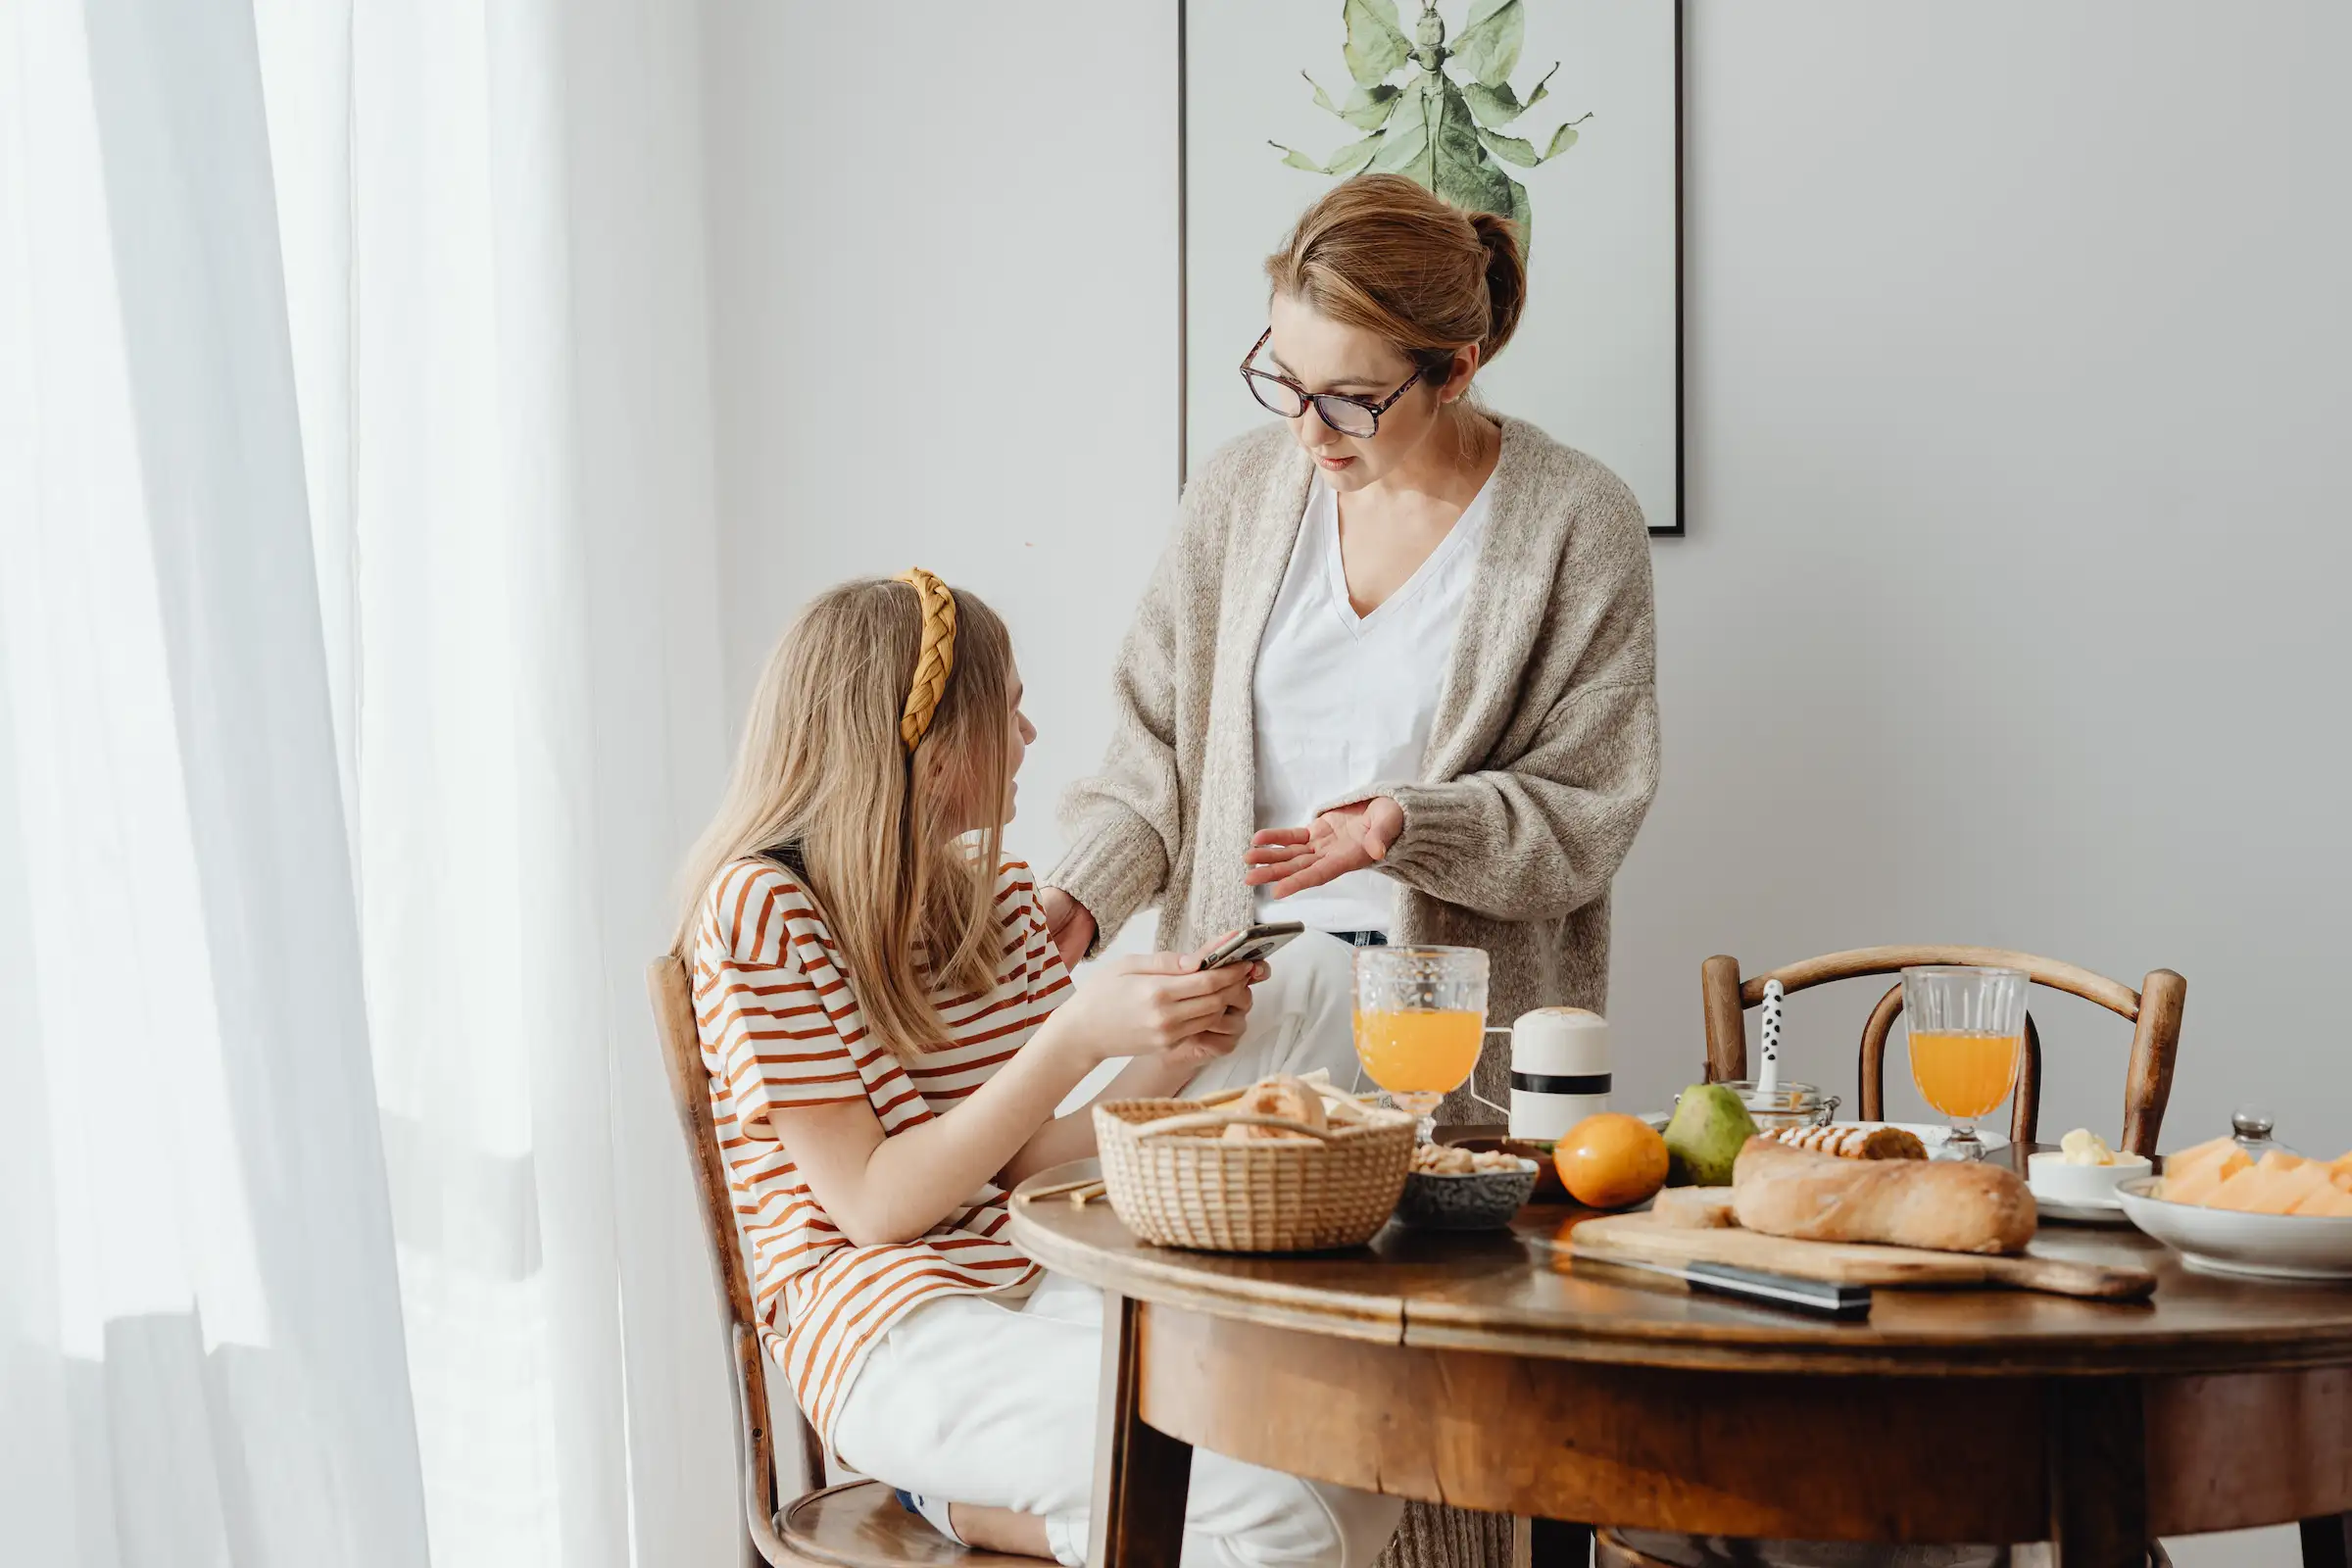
column 1379, row 252
column 1506, row 281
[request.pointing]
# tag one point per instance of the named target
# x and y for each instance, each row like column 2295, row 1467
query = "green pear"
column 1710, row 1126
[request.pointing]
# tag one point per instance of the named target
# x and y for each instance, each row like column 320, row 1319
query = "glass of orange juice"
column 1967, row 1027
column 1420, row 1018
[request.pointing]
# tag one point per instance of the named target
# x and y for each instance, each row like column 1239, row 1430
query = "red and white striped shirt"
column 780, row 1027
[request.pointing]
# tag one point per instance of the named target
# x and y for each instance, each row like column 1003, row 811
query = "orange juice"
column 1964, row 1072
column 1419, row 1053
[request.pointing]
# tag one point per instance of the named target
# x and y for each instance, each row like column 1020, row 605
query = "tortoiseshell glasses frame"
column 1279, row 394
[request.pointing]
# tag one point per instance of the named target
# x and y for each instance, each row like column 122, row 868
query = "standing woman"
column 1394, row 675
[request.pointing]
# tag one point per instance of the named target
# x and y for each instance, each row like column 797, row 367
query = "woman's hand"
column 1160, row 1003
column 1348, row 839
column 1068, row 923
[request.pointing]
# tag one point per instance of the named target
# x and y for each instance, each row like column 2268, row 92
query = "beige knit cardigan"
column 1542, row 756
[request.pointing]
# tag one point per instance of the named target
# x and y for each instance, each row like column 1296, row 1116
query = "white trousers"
column 1304, row 1018
column 988, row 1402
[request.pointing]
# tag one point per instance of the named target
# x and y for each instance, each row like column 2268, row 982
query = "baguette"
column 1946, row 1207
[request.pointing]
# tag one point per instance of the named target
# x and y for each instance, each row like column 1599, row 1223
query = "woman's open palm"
column 1347, row 838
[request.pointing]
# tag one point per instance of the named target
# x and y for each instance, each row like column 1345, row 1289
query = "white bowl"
column 2082, row 1186
column 2222, row 1241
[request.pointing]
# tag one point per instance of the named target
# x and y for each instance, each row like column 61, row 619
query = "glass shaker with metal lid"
column 2250, row 1128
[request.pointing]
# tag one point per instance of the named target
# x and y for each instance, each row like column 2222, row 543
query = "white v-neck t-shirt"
column 1346, row 701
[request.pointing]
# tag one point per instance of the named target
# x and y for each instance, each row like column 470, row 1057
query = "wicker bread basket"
column 1176, row 1183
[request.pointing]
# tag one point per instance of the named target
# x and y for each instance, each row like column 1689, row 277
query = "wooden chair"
column 860, row 1525
column 2153, row 1010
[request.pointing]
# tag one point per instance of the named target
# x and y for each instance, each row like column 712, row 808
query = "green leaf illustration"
column 1524, row 216
column 1489, row 46
column 1465, row 176
column 1517, row 150
column 1443, row 134
column 1405, row 150
column 1376, row 45
column 1366, row 109
column 1404, row 147
column 1510, row 149
column 1498, row 106
column 1346, row 160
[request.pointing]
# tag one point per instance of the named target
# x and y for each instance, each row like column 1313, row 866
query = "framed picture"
column 1565, row 115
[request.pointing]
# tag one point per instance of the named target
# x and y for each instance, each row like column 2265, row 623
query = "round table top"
column 1513, row 1293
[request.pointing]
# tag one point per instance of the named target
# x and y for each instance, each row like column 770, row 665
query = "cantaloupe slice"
column 2212, row 1147
column 2329, row 1200
column 2281, row 1160
column 2241, row 1190
column 2188, row 1160
column 2197, row 1184
column 2272, row 1186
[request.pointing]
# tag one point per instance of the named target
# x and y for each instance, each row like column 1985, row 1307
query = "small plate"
column 2222, row 1241
column 2066, row 1213
column 2081, row 1195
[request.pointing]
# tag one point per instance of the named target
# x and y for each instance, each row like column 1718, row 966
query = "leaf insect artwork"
column 1445, row 135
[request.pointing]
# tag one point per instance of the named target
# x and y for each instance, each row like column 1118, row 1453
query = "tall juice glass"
column 1420, row 1016
column 1967, row 1029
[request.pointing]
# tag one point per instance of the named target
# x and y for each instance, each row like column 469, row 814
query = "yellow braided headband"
column 937, row 659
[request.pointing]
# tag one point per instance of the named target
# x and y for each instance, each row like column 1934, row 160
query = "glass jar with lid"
column 2250, row 1129
column 1784, row 1105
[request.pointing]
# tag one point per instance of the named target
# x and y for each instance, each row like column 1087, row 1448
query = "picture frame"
column 1597, row 362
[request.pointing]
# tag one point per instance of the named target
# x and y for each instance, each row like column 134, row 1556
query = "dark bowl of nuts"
column 1540, row 1149
column 1453, row 1189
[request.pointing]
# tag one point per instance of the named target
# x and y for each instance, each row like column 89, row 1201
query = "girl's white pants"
column 983, row 1401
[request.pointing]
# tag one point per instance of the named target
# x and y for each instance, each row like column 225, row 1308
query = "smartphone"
column 1251, row 946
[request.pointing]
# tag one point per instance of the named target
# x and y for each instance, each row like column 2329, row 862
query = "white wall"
column 2011, row 606
column 943, row 280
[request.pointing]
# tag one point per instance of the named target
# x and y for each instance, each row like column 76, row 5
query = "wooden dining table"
column 1492, row 1371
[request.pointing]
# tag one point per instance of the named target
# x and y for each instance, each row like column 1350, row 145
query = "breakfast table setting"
column 1731, row 1328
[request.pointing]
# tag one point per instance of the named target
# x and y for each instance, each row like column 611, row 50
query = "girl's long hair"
column 823, row 779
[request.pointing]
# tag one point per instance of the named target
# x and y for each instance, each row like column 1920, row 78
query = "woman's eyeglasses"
column 1357, row 417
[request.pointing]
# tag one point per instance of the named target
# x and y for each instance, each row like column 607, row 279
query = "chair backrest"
column 668, row 983
column 2153, row 1010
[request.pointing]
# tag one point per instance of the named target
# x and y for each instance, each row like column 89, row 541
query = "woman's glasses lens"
column 1275, row 396
column 1348, row 418
column 1342, row 415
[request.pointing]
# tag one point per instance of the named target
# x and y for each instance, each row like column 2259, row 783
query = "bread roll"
column 1947, row 1206
column 1287, row 1098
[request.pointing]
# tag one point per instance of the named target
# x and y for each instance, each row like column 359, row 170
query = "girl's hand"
column 1161, row 1004
column 1068, row 923
column 1351, row 838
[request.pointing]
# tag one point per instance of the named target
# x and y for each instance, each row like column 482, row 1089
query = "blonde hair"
column 824, row 781
column 1379, row 253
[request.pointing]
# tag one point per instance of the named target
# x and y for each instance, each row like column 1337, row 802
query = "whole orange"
column 1611, row 1160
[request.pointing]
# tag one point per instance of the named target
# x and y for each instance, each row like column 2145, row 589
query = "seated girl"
column 888, row 1031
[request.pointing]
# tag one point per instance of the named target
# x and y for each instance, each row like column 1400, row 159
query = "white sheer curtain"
column 358, row 689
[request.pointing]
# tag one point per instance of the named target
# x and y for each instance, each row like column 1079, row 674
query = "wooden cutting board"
column 1643, row 1238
